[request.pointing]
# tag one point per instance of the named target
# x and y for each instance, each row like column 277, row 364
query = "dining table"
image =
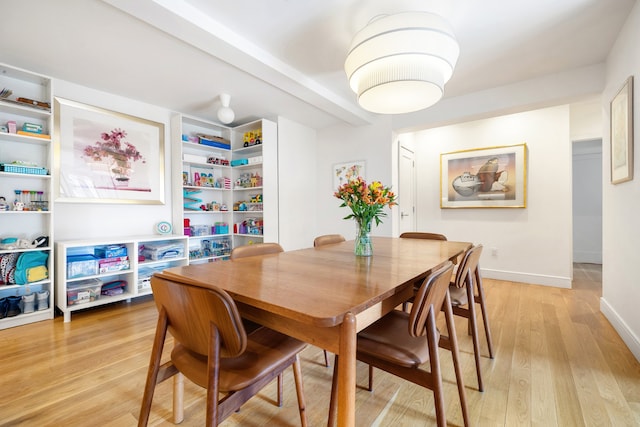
column 325, row 295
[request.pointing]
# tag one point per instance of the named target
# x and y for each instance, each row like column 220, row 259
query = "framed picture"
column 493, row 177
column 103, row 156
column 622, row 134
column 343, row 172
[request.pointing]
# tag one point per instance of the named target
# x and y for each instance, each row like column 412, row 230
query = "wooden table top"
column 318, row 286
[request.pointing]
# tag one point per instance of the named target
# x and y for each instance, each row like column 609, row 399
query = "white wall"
column 533, row 244
column 296, row 184
column 621, row 202
column 87, row 220
column 338, row 144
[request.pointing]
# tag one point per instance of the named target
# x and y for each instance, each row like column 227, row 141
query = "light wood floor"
column 558, row 363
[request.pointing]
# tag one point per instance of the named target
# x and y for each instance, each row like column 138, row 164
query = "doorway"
column 407, row 189
column 587, row 201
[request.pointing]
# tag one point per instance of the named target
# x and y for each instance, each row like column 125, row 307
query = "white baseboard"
column 627, row 335
column 534, row 279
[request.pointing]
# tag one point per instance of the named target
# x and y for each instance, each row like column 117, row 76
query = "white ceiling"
column 285, row 57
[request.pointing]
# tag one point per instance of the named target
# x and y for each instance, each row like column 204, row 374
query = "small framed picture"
column 622, row 134
column 343, row 172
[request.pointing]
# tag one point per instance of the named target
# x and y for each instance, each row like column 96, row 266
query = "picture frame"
column 492, row 177
column 621, row 133
column 343, row 172
column 104, row 156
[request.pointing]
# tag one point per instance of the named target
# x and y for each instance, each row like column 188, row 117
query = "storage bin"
column 83, row 291
column 81, row 265
column 162, row 250
column 110, row 251
column 108, row 265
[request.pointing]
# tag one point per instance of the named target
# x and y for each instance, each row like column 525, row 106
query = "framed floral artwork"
column 343, row 172
column 103, row 156
column 493, row 177
column 622, row 134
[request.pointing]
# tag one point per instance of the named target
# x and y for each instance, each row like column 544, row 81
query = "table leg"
column 347, row 372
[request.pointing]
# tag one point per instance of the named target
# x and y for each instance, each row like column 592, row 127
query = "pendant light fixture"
column 225, row 113
column 400, row 63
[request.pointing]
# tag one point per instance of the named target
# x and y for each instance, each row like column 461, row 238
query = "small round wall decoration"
column 163, row 227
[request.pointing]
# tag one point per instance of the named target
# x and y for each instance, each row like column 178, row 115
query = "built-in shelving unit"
column 26, row 213
column 79, row 271
column 226, row 208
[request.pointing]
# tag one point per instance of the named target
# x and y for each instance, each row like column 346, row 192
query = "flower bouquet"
column 366, row 203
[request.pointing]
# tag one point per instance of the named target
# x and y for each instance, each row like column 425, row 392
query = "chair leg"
column 154, row 368
column 455, row 354
column 474, row 334
column 178, row 398
column 280, row 387
column 333, row 400
column 297, row 375
column 483, row 308
column 326, row 358
column 213, row 373
column 436, row 373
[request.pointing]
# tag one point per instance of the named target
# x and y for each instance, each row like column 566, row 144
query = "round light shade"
column 225, row 113
column 400, row 63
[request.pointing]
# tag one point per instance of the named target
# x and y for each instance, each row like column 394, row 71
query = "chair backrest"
column 430, row 296
column 328, row 239
column 255, row 249
column 422, row 235
column 468, row 266
column 192, row 307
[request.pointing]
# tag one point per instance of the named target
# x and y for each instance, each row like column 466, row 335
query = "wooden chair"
column 419, row 235
column 213, row 350
column 422, row 235
column 463, row 299
column 401, row 343
column 327, row 239
column 254, row 250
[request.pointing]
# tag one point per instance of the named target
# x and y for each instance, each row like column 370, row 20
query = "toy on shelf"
column 253, row 137
column 190, row 201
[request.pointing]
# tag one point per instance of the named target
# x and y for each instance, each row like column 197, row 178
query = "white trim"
column 530, row 278
column 618, row 323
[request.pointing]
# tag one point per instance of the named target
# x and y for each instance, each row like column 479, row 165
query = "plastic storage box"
column 81, row 265
column 83, row 291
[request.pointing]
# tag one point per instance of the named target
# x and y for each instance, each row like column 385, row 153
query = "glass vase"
column 363, row 245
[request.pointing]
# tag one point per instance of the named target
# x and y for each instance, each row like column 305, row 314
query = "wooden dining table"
column 326, row 295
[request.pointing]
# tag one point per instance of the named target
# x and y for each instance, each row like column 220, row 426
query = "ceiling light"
column 225, row 114
column 400, row 63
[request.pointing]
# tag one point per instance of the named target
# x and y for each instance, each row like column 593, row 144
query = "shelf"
column 100, row 276
column 205, row 165
column 24, row 139
column 199, row 211
column 248, row 166
column 24, row 175
column 209, row 258
column 248, row 212
column 254, row 149
column 249, row 235
column 196, row 187
column 210, row 236
column 247, row 188
column 24, row 109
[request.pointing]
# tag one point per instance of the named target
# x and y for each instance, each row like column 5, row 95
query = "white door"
column 407, row 190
